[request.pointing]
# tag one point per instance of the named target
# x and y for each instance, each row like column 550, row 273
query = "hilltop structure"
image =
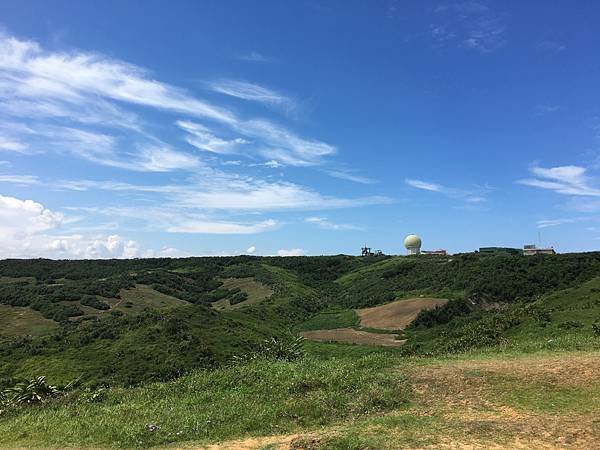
column 366, row 251
column 532, row 249
column 438, row 252
column 412, row 242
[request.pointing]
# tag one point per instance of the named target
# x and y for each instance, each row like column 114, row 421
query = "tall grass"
column 257, row 398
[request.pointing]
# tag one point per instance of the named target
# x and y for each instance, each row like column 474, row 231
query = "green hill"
column 225, row 329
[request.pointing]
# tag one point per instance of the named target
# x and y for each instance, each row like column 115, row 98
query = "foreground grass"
column 259, row 398
column 382, row 401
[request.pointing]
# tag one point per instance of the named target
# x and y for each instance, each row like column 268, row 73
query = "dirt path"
column 352, row 336
column 397, row 315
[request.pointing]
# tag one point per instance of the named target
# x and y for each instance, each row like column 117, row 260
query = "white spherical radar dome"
column 412, row 241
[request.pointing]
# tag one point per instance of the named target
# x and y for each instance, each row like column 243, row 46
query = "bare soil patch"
column 397, row 315
column 352, row 336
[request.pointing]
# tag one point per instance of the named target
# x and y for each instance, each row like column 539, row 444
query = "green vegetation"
column 331, row 319
column 259, row 397
column 201, row 347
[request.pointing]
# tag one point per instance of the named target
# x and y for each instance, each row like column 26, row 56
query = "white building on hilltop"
column 412, row 242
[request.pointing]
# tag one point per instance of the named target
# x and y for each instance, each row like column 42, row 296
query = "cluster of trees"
column 501, row 278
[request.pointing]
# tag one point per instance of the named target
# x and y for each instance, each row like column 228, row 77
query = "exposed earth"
column 396, row 315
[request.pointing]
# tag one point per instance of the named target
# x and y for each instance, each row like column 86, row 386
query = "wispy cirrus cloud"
column 255, row 57
column 350, row 176
column 11, row 145
column 253, row 92
column 469, row 24
column 202, row 138
column 24, row 180
column 547, row 223
column 477, row 195
column 566, row 180
column 112, row 113
column 222, row 191
column 550, row 46
column 546, row 109
column 211, row 227
column 91, row 90
column 326, row 224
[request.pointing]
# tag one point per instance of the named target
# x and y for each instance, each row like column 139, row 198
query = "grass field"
column 18, row 321
column 256, row 292
column 518, row 367
column 377, row 401
column 352, row 336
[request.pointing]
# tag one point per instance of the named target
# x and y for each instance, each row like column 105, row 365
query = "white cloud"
column 476, row 195
column 278, row 143
column 202, row 138
column 25, row 180
column 255, row 57
column 424, row 185
column 29, row 230
column 10, row 145
column 273, row 164
column 567, row 180
column 344, row 175
column 221, row 191
column 546, row 223
column 157, row 159
column 74, row 75
column 253, row 92
column 546, row 109
column 550, row 46
column 291, row 252
column 92, row 89
column 468, row 24
column 251, row 250
column 19, row 218
column 208, row 227
column 326, row 224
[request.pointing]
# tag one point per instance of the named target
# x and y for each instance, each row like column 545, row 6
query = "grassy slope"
column 473, row 398
column 162, row 345
column 529, row 401
column 18, row 321
column 257, row 399
column 556, row 321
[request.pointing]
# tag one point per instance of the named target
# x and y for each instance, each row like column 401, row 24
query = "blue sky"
column 148, row 128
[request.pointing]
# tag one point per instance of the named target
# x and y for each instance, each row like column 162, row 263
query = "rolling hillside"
column 225, row 329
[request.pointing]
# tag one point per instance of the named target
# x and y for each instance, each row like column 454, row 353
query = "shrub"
column 569, row 324
column 288, row 348
column 26, row 392
column 93, row 302
column 238, row 297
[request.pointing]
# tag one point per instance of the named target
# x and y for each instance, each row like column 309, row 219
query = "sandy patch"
column 397, row 315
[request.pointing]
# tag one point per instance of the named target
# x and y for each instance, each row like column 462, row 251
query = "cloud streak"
column 253, row 92
column 469, row 24
column 566, row 180
column 469, row 196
